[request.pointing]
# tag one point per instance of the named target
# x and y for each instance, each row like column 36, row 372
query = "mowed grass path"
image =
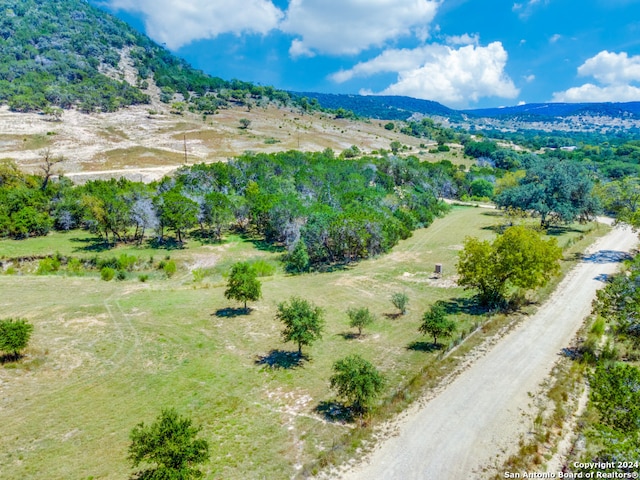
column 106, row 355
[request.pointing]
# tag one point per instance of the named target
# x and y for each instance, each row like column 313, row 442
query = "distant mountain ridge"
column 546, row 110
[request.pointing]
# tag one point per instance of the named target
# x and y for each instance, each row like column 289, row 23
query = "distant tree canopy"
column 558, row 191
column 324, row 210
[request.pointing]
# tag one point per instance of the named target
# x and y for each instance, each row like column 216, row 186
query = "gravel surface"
column 478, row 419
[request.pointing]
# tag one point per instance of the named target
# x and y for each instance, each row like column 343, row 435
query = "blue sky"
column 462, row 53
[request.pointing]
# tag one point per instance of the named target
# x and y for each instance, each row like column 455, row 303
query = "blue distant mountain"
column 552, row 110
column 402, row 108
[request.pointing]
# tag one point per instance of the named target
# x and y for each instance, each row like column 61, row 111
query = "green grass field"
column 106, row 355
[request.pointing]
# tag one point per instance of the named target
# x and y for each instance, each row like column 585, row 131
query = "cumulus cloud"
column 177, row 22
column 442, row 73
column 616, row 74
column 340, row 27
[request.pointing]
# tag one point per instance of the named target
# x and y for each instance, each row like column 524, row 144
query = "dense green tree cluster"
column 324, row 210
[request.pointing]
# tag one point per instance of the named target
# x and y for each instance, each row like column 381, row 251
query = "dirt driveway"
column 480, row 416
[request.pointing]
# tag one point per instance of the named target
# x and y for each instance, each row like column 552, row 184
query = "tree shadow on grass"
column 393, row 316
column 335, row 412
column 276, row 359
column 166, row 243
column 460, row 305
column 10, row 358
column 427, row 347
column 93, row 244
column 231, row 312
column 349, row 335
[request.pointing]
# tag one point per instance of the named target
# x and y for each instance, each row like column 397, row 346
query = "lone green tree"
column 170, row 444
column 436, row 323
column 400, row 301
column 303, row 321
column 360, row 318
column 518, row 258
column 358, row 381
column 243, row 284
column 14, row 336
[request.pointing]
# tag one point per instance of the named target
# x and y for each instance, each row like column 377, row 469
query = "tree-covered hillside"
column 57, row 53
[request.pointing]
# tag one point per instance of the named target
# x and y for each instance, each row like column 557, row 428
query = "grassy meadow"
column 105, row 356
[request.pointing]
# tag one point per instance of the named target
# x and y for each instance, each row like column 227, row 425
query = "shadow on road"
column 606, row 256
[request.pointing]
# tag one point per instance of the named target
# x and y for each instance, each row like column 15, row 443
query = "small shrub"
column 74, row 266
column 14, row 335
column 143, row 277
column 169, row 268
column 48, row 265
column 107, row 273
column 121, row 275
column 263, row 268
column 198, row 274
column 400, row 301
column 127, row 262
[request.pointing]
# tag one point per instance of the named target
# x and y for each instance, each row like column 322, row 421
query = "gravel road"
column 482, row 413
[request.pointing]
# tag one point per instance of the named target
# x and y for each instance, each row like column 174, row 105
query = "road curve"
column 480, row 413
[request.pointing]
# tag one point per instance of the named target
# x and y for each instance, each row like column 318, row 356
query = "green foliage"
column 395, row 147
column 615, row 391
column 244, row 123
column 400, row 300
column 121, row 275
column 619, row 302
column 303, row 321
column 436, row 323
column 48, row 265
column 358, row 381
column 263, row 268
column 518, row 258
column 622, row 199
column 389, row 126
column 107, row 274
column 14, row 335
column 480, row 149
column 171, row 445
column 243, row 284
column 481, row 188
column 169, row 268
column 558, row 191
column 298, row 260
column 360, row 318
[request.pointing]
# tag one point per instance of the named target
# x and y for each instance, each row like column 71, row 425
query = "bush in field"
column 400, row 301
column 14, row 336
column 360, row 318
column 436, row 323
column 171, row 445
column 107, row 274
column 358, row 381
column 303, row 322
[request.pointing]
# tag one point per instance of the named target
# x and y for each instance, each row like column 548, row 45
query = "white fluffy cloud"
column 178, row 22
column 442, row 73
column 615, row 72
column 341, row 27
